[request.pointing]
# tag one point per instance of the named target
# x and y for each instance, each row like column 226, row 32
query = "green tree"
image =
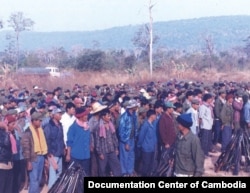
column 91, row 60
column 19, row 23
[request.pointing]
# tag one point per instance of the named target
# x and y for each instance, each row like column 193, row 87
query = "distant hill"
column 226, row 31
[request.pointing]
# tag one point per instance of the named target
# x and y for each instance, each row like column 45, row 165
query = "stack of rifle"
column 237, row 153
column 71, row 181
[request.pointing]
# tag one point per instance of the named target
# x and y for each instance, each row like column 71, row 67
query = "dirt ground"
column 209, row 170
column 209, row 167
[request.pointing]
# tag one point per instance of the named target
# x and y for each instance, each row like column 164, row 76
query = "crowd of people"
column 115, row 130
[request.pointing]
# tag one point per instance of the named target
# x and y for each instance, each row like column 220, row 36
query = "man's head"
column 151, row 115
column 70, row 108
column 208, row 98
column 36, row 119
column 184, row 121
column 195, row 103
column 56, row 114
column 132, row 105
column 168, row 107
column 82, row 114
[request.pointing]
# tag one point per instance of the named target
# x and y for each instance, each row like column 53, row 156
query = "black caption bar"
column 161, row 184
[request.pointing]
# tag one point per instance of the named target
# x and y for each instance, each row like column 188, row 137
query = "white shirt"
column 205, row 115
column 66, row 121
column 195, row 119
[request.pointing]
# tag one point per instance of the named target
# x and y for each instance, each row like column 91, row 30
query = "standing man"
column 187, row 103
column 206, row 123
column 93, row 127
column 79, row 140
column 107, row 145
column 167, row 126
column 34, row 149
column 218, row 104
column 189, row 156
column 227, row 121
column 128, row 128
column 67, row 120
column 158, row 107
column 195, row 103
column 54, row 138
column 148, row 142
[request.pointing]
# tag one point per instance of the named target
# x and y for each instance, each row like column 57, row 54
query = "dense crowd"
column 115, row 130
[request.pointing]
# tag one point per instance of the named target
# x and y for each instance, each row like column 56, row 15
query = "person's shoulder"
column 27, row 133
column 194, row 137
column 64, row 115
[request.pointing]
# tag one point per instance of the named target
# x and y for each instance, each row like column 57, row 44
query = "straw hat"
column 97, row 107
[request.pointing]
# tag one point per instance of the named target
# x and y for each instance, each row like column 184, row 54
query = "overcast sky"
column 87, row 15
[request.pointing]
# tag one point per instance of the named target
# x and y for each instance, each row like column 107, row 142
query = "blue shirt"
column 78, row 140
column 147, row 137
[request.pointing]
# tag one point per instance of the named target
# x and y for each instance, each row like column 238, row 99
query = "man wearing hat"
column 54, row 137
column 128, row 129
column 34, row 149
column 167, row 129
column 93, row 126
column 20, row 173
column 189, row 156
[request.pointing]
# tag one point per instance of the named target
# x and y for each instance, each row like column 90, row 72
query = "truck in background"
column 41, row 71
column 54, row 71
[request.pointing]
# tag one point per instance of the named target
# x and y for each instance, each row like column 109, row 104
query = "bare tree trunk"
column 150, row 39
column 210, row 49
column 17, row 51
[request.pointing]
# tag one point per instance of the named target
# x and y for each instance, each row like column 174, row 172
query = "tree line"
column 129, row 61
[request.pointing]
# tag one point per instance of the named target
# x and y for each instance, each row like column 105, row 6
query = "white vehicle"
column 54, row 71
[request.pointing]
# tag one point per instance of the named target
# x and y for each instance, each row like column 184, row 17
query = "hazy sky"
column 85, row 15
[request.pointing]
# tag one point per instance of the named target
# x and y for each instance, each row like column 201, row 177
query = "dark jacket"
column 218, row 104
column 54, row 138
column 226, row 115
column 167, row 129
column 28, row 146
column 5, row 147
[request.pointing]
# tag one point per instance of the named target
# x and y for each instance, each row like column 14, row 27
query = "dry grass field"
column 114, row 77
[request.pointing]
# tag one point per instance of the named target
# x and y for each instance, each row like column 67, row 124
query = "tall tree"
column 144, row 39
column 150, row 6
column 210, row 49
column 19, row 23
